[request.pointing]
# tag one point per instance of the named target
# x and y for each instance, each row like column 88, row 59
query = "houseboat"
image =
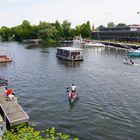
column 5, row 58
column 70, row 53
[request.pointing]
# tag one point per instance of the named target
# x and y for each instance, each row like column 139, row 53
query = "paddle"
column 68, row 88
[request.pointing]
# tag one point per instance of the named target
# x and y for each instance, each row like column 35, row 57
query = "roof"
column 70, row 48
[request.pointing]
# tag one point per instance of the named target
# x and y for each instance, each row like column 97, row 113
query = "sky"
column 98, row 12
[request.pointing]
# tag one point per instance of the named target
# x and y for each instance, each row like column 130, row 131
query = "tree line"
column 49, row 32
column 110, row 24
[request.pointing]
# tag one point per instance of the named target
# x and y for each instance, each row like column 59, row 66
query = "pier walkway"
column 13, row 111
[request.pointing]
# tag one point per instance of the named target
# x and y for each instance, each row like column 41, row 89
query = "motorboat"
column 93, row 44
column 134, row 52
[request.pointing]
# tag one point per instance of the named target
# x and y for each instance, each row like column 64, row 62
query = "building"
column 129, row 33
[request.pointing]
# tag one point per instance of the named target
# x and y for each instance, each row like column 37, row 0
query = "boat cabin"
column 70, row 53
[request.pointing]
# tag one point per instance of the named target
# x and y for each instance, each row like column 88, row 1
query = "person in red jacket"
column 9, row 94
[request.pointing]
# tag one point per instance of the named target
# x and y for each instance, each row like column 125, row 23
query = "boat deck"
column 12, row 110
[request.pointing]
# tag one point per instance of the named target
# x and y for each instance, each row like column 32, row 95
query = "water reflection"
column 69, row 63
column 106, row 100
column 31, row 46
column 45, row 51
column 116, row 51
column 3, row 64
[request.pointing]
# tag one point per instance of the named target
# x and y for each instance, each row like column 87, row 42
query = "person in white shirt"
column 11, row 96
column 73, row 88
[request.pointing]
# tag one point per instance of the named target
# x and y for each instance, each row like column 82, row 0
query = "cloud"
column 13, row 12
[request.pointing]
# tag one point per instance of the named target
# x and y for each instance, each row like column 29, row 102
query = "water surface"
column 109, row 91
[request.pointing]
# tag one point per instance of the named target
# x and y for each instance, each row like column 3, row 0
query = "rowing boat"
column 73, row 96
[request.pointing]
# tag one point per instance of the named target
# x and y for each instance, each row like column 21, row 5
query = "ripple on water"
column 109, row 100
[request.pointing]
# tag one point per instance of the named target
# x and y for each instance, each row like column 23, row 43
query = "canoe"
column 73, row 96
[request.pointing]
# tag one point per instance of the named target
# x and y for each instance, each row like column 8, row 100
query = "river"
column 109, row 91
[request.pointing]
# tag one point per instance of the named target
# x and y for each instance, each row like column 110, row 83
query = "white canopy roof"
column 70, row 48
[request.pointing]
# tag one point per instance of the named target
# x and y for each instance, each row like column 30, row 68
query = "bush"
column 26, row 132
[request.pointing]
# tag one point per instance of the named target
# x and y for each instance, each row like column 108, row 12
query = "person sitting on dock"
column 10, row 94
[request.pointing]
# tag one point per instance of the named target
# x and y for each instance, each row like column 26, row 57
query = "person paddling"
column 73, row 91
column 73, row 88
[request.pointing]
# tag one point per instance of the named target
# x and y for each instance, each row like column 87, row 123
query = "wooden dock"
column 13, row 111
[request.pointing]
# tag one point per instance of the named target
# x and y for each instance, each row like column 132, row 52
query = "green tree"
column 16, row 33
column 66, row 28
column 78, row 30
column 23, row 31
column 47, row 31
column 100, row 27
column 5, row 33
column 110, row 24
column 34, row 32
column 86, row 30
column 121, row 24
column 59, row 29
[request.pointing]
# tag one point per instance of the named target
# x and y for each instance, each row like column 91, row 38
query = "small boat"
column 73, row 96
column 92, row 44
column 78, row 40
column 134, row 52
column 5, row 58
column 129, row 62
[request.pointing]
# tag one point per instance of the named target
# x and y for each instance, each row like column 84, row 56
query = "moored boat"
column 70, row 53
column 5, row 58
column 93, row 44
column 134, row 52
